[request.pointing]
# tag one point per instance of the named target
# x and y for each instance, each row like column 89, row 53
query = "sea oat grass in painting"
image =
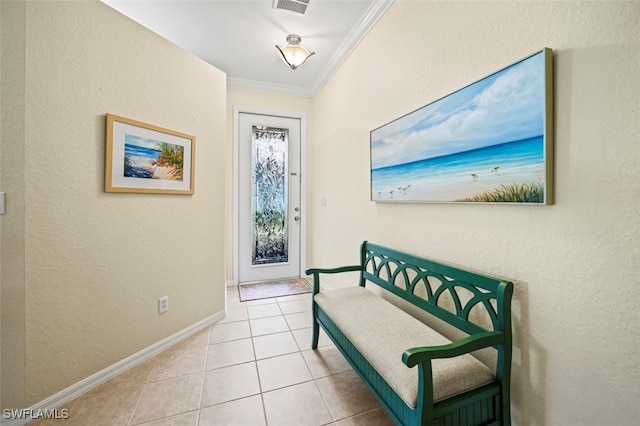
column 149, row 159
column 524, row 193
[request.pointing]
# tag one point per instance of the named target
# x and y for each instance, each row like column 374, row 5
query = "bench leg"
column 315, row 325
column 316, row 332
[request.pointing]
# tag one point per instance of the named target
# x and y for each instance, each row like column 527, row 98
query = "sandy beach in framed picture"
column 489, row 142
column 144, row 158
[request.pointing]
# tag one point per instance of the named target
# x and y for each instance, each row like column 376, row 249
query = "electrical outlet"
column 163, row 304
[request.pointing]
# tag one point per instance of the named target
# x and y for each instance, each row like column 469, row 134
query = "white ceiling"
column 239, row 36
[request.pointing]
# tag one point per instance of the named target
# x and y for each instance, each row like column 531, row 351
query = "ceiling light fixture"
column 293, row 54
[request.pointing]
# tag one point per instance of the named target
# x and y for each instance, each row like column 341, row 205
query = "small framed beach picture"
column 489, row 142
column 143, row 158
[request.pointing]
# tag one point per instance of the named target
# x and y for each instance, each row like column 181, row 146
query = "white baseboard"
column 324, row 286
column 83, row 386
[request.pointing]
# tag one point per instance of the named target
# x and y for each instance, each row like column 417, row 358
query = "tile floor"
column 255, row 367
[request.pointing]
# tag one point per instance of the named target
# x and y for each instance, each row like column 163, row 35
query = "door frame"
column 237, row 110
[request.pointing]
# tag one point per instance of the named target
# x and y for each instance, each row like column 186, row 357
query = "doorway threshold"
column 273, row 288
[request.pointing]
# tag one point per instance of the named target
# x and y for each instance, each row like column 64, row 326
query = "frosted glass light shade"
column 293, row 55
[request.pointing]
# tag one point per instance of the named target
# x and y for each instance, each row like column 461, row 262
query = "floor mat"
column 275, row 288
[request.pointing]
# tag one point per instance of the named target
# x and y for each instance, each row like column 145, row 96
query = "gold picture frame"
column 148, row 159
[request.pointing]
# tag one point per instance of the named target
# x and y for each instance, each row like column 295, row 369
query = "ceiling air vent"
column 298, row 6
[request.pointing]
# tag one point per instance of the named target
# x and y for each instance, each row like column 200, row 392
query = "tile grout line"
column 144, row 388
column 315, row 383
column 204, row 375
column 255, row 363
column 299, row 351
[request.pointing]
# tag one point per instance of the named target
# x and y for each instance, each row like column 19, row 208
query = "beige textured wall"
column 575, row 264
column 261, row 100
column 12, row 130
column 95, row 264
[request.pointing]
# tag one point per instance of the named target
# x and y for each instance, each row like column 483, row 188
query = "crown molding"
column 360, row 30
column 240, row 83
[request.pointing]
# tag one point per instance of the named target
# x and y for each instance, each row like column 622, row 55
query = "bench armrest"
column 351, row 268
column 317, row 271
column 414, row 356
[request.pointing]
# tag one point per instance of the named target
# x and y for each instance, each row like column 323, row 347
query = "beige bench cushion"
column 382, row 332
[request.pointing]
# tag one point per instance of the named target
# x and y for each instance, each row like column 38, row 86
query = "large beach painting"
column 147, row 159
column 491, row 141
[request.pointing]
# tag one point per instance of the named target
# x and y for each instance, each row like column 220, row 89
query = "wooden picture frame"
column 144, row 158
column 489, row 142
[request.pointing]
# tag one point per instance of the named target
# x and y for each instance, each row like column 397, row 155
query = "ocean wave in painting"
column 461, row 175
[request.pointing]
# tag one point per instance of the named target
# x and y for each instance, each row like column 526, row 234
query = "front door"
column 269, row 187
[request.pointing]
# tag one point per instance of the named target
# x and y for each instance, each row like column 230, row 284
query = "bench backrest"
column 461, row 298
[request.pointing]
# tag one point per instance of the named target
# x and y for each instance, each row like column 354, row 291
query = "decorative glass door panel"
column 269, row 187
column 269, row 195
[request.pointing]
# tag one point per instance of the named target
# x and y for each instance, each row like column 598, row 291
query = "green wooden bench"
column 419, row 376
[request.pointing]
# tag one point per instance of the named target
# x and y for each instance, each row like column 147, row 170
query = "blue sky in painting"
column 504, row 107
